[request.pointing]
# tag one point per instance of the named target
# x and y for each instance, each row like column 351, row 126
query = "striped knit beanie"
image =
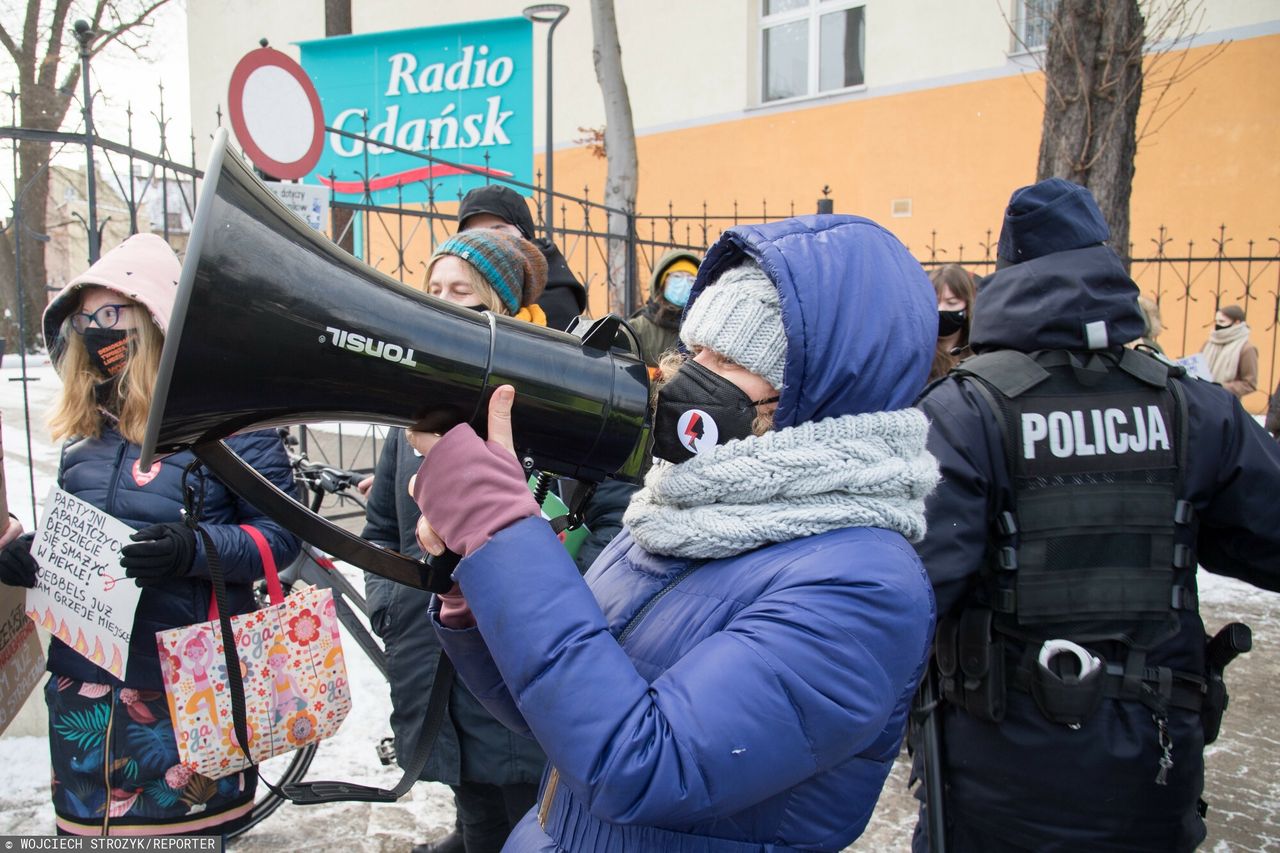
column 738, row 316
column 512, row 266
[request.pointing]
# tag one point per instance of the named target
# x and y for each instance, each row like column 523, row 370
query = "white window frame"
column 1020, row 30
column 812, row 13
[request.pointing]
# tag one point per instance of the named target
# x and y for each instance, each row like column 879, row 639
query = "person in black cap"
column 1077, row 689
column 495, row 206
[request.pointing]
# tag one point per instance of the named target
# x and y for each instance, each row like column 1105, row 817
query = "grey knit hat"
column 738, row 316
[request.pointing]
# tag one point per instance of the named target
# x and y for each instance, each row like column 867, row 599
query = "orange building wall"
column 958, row 151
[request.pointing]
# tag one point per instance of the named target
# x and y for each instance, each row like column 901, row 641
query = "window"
column 1031, row 22
column 808, row 47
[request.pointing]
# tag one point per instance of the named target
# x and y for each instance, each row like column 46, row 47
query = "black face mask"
column 697, row 410
column 1221, row 326
column 950, row 322
column 108, row 349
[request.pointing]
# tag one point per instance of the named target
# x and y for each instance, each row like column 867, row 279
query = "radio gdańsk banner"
column 458, row 92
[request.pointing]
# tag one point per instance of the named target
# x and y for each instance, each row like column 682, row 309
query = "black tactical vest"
column 1092, row 546
column 1093, row 445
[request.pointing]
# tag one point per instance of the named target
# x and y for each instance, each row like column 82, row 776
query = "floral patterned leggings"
column 116, row 769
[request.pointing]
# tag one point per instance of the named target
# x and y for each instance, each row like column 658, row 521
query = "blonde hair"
column 669, row 365
column 1151, row 314
column 76, row 413
column 488, row 296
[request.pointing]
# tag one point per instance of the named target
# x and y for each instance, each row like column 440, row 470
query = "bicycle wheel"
column 268, row 801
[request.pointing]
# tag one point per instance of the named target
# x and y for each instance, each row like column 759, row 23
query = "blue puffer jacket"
column 751, row 703
column 103, row 472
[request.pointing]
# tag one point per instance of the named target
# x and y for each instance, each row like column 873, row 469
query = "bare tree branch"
column 9, row 44
column 127, row 26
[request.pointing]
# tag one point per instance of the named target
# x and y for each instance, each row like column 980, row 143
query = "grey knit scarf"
column 867, row 470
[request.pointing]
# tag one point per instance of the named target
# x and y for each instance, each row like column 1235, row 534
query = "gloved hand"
column 454, row 610
column 159, row 552
column 471, row 489
column 17, row 566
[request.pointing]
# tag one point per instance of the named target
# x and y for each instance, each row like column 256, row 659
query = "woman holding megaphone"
column 115, row 760
column 736, row 671
column 493, row 772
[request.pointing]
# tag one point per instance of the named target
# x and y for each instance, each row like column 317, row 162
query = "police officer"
column 1082, row 483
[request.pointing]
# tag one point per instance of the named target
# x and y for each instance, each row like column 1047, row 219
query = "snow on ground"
column 1242, row 769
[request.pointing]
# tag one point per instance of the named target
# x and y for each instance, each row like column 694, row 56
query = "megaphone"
column 275, row 325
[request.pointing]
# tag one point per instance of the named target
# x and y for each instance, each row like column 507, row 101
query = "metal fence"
column 1189, row 280
column 1188, row 284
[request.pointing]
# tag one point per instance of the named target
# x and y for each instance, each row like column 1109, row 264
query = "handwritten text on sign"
column 21, row 658
column 82, row 596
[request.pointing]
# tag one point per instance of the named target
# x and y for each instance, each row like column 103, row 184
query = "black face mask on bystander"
column 950, row 322
column 697, row 410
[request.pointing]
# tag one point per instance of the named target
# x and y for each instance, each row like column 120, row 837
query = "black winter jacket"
column 472, row 745
column 104, row 472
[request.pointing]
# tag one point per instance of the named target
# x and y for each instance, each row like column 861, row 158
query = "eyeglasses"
column 105, row 317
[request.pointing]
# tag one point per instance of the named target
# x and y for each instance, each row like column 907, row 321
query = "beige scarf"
column 1222, row 352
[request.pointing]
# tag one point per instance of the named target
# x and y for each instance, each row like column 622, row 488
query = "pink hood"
column 142, row 268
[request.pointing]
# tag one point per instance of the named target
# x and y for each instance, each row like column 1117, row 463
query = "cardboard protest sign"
column 21, row 658
column 82, row 596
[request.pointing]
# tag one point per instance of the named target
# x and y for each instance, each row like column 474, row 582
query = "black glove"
column 159, row 552
column 17, row 566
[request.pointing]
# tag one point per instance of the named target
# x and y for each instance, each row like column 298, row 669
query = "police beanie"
column 511, row 265
column 1050, row 216
column 738, row 316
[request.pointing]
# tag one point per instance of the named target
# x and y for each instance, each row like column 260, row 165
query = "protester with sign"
column 493, row 771
column 114, row 754
column 657, row 322
column 736, row 671
column 496, row 206
column 1083, row 482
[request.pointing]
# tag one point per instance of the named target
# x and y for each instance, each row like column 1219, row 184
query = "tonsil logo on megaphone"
column 348, row 340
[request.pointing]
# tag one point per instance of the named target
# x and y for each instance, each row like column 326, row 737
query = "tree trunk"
column 620, row 145
column 1093, row 88
column 42, row 107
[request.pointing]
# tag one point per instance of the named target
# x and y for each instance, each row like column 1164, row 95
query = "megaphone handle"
column 439, row 571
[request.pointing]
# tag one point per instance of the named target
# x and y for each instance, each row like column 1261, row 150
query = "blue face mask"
column 678, row 287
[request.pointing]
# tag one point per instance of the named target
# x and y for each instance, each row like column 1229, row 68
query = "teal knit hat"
column 512, row 266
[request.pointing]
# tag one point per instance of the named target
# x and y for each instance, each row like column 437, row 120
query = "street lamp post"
column 85, row 35
column 553, row 14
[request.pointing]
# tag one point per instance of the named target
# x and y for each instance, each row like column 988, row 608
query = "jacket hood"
column 666, row 261
column 559, row 277
column 860, row 315
column 1077, row 300
column 142, row 268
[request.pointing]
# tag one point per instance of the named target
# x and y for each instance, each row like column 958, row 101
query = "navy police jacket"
column 1026, row 781
column 104, row 472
